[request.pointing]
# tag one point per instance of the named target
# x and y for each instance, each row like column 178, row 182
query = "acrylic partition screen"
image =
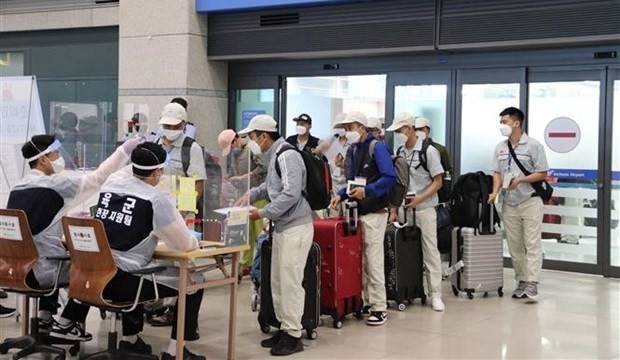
column 209, row 205
column 615, row 180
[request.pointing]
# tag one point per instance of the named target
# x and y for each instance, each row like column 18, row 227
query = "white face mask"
column 172, row 135
column 339, row 132
column 505, row 130
column 353, row 136
column 301, row 130
column 58, row 165
column 421, row 134
column 400, row 139
column 253, row 147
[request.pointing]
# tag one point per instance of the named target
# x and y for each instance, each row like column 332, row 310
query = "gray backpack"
column 396, row 195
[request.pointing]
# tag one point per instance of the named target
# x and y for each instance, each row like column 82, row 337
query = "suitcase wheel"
column 423, row 300
column 311, row 334
column 486, row 294
column 470, row 295
column 265, row 329
column 500, row 291
column 337, row 324
column 455, row 291
column 402, row 307
column 73, row 350
column 359, row 315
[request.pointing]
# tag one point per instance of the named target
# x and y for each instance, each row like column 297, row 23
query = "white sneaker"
column 437, row 304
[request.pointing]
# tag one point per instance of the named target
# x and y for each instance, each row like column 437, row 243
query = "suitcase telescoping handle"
column 409, row 222
column 350, row 217
column 481, row 229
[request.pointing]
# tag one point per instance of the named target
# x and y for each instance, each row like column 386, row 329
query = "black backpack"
column 445, row 192
column 213, row 182
column 318, row 188
column 469, row 206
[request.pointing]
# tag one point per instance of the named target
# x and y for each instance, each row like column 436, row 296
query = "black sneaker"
column 187, row 355
column 376, row 318
column 73, row 331
column 6, row 312
column 139, row 347
column 3, row 295
column 272, row 341
column 287, row 345
column 366, row 310
column 165, row 319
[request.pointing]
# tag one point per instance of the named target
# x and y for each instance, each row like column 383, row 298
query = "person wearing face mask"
column 303, row 140
column 46, row 194
column 148, row 215
column 376, row 168
column 423, row 124
column 376, row 128
column 522, row 209
column 425, row 185
column 292, row 234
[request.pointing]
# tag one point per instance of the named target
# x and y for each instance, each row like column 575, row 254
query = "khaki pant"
column 373, row 271
column 523, row 226
column 289, row 255
column 426, row 220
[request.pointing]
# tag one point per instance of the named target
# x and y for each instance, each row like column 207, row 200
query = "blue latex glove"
column 196, row 234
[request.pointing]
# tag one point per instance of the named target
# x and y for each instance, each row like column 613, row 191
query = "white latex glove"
column 131, row 144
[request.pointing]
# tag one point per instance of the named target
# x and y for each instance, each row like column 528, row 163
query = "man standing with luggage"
column 522, row 209
column 292, row 233
column 371, row 163
column 303, row 140
column 424, row 184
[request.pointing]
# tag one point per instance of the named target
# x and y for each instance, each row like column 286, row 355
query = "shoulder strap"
column 185, row 152
column 282, row 149
column 422, row 156
column 514, row 156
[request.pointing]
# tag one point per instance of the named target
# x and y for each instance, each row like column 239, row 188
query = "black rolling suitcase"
column 403, row 264
column 311, row 284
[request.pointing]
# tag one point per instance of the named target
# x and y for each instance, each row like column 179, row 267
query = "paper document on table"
column 186, row 196
column 236, row 227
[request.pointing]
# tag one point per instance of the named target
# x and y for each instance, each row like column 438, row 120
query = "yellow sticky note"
column 186, row 195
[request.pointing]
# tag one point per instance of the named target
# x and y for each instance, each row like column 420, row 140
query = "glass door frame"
column 421, row 77
column 612, row 74
column 583, row 73
column 256, row 82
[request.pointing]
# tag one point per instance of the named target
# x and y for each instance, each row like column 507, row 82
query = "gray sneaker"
column 518, row 293
column 531, row 291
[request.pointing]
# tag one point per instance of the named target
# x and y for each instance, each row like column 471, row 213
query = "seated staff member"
column 136, row 215
column 46, row 195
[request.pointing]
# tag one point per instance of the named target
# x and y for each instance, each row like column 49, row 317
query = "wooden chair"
column 92, row 268
column 18, row 255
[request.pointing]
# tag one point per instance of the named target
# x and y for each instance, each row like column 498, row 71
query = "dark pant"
column 123, row 287
column 73, row 311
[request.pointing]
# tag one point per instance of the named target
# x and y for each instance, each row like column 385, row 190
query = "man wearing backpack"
column 370, row 160
column 522, row 209
column 423, row 124
column 303, row 140
column 292, row 235
column 424, row 184
column 172, row 120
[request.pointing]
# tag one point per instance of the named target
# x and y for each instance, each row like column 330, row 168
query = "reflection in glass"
column 11, row 63
column 428, row 101
column 481, row 105
column 252, row 102
column 615, row 182
column 570, row 222
column 324, row 97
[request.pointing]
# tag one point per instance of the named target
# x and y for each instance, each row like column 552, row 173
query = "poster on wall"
column 20, row 118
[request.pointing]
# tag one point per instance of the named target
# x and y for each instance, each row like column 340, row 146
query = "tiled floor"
column 577, row 317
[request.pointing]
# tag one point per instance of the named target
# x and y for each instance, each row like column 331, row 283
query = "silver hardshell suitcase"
column 479, row 254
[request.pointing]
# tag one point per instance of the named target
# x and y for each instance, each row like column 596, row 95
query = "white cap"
column 173, row 114
column 354, row 117
column 338, row 119
column 402, row 119
column 421, row 122
column 225, row 139
column 260, row 123
column 374, row 123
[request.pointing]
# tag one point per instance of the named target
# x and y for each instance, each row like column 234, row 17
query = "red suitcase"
column 340, row 241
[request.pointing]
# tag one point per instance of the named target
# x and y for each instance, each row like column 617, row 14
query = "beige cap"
column 260, row 123
column 402, row 119
column 173, row 114
column 354, row 117
column 421, row 122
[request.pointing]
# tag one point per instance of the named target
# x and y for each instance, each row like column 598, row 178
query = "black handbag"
column 542, row 187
